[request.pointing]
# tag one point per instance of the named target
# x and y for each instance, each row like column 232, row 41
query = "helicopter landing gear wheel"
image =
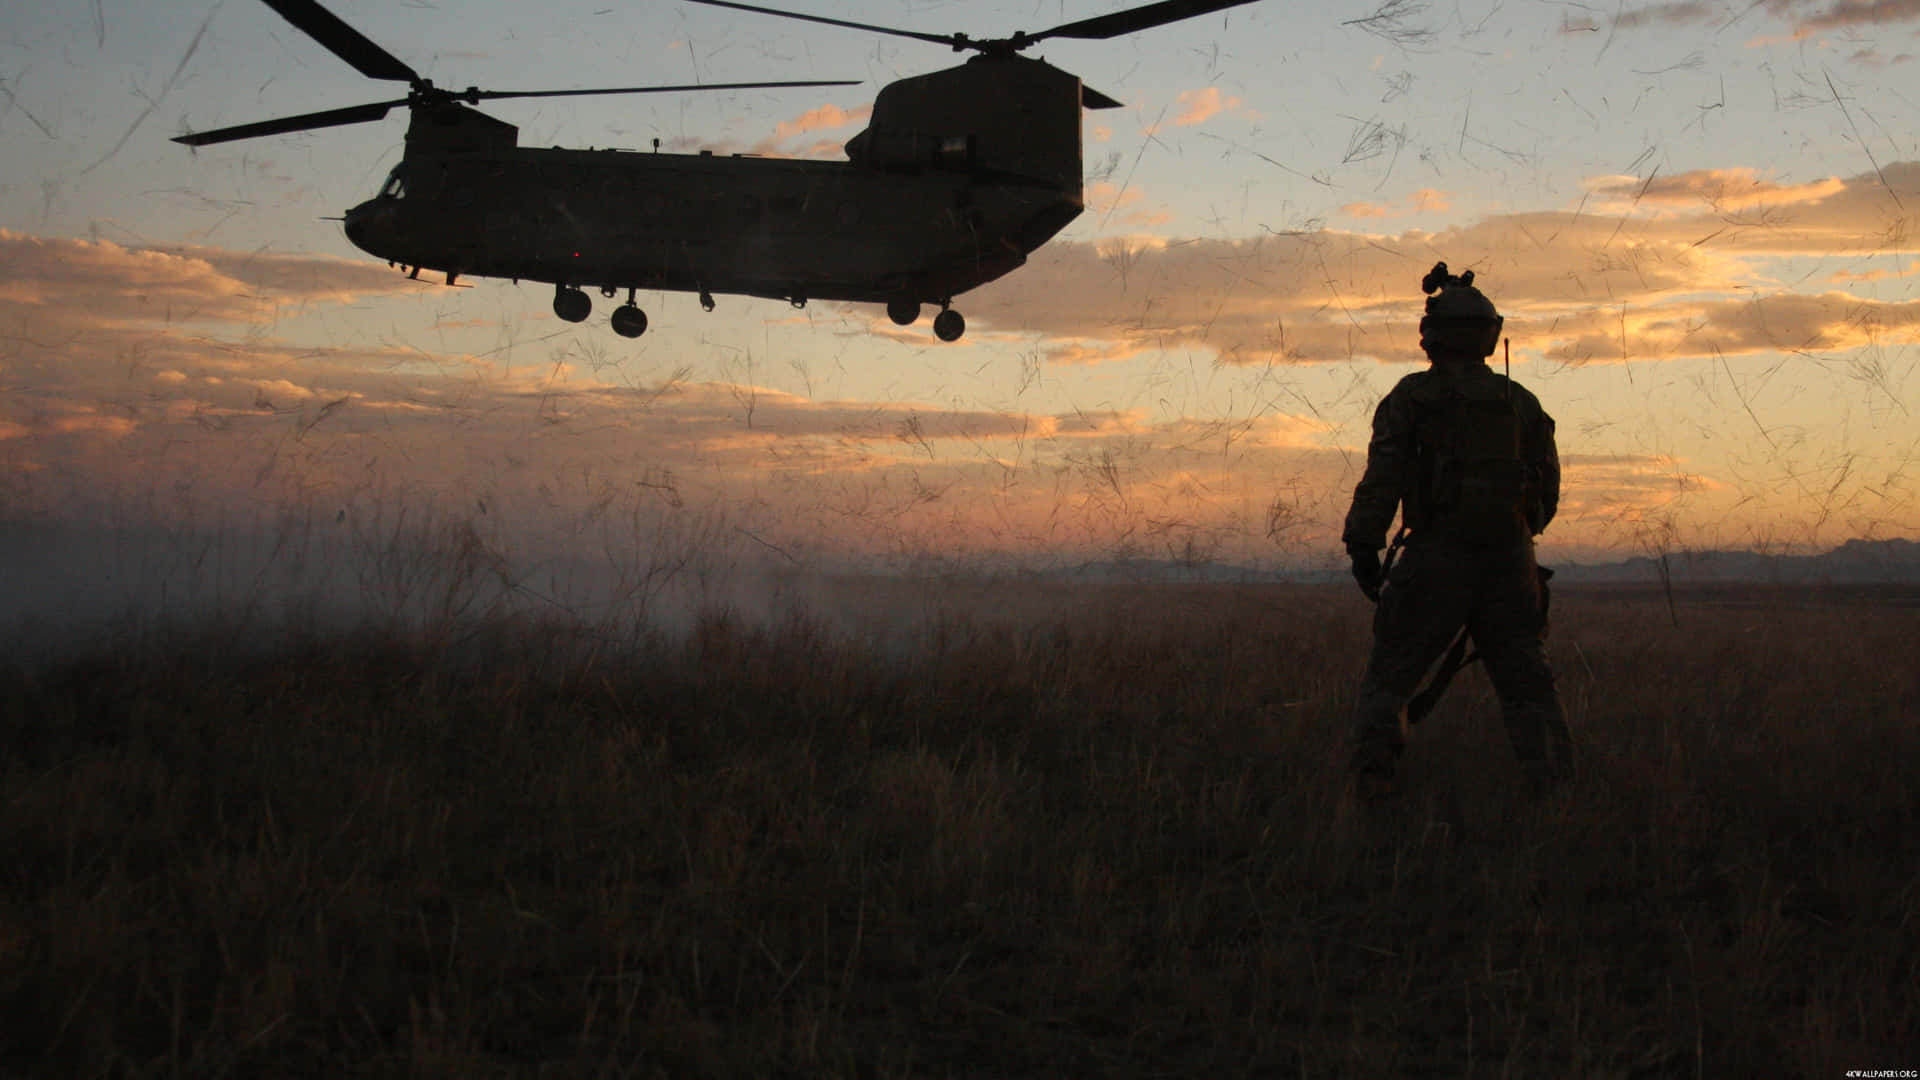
column 571, row 304
column 904, row 312
column 629, row 321
column 948, row 325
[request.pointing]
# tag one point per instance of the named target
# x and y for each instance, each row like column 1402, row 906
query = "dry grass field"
column 959, row 829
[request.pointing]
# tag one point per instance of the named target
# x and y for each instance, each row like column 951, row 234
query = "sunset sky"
column 1698, row 218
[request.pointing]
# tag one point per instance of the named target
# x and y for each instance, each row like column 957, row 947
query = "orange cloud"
column 1104, row 197
column 1616, row 490
column 1781, row 322
column 1805, row 16
column 178, row 284
column 1203, row 105
column 112, row 427
column 1680, row 13
column 824, row 118
column 1859, row 277
column 1423, row 201
column 1562, row 278
column 1843, row 13
column 1724, row 190
column 1369, row 210
column 1094, row 352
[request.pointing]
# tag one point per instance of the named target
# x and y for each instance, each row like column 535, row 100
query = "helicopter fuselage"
column 772, row 227
column 960, row 174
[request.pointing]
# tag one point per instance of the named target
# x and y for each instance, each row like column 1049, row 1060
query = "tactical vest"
column 1470, row 475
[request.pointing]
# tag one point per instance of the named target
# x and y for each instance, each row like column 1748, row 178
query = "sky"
column 1696, row 217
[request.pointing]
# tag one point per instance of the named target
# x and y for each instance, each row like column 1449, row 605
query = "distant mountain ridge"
column 1856, row 562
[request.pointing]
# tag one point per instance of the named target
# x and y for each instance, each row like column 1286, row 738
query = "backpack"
column 1470, row 473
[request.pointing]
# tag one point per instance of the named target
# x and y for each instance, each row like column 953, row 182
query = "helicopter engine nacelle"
column 449, row 127
column 1005, row 114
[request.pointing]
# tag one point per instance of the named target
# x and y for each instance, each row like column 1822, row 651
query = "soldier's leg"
column 1509, row 630
column 1420, row 611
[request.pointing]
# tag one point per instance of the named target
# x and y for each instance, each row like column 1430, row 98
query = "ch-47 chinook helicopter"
column 958, row 176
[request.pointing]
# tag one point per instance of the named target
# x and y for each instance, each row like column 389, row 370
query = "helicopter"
column 959, row 175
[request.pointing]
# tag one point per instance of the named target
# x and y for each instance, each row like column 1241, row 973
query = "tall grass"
column 957, row 829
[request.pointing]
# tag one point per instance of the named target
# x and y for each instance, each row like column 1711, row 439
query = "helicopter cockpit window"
column 396, row 185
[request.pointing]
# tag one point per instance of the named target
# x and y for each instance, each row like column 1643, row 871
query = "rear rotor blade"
column 496, row 95
column 354, row 114
column 344, row 41
column 957, row 41
column 1132, row 20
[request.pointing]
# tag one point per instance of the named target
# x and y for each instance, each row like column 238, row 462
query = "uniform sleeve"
column 1377, row 496
column 1546, row 468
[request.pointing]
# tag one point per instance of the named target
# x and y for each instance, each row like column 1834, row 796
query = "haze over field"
column 1697, row 218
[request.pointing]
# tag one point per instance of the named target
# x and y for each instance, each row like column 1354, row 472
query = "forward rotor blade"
column 1132, row 20
column 496, row 95
column 354, row 114
column 956, row 41
column 343, row 41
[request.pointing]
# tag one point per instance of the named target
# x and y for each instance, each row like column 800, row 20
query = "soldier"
column 1468, row 459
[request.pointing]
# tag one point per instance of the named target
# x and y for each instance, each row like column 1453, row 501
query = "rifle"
column 1393, row 553
column 1458, row 658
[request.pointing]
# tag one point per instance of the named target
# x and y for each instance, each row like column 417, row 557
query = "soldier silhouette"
column 1467, row 457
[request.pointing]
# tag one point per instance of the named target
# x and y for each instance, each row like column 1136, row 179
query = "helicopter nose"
column 358, row 225
column 371, row 228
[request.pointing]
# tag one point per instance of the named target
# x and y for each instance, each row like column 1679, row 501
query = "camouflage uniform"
column 1469, row 558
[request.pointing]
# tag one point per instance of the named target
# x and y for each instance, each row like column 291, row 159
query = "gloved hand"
column 1366, row 570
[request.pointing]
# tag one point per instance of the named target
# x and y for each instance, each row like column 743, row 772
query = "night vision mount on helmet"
column 1460, row 320
column 959, row 175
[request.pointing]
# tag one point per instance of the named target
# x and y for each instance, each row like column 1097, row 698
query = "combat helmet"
column 1460, row 320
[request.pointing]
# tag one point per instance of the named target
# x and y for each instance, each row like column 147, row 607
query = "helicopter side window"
column 907, row 151
column 953, row 151
column 396, row 186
